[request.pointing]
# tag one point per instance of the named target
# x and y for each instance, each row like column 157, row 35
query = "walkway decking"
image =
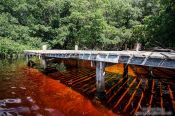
column 144, row 58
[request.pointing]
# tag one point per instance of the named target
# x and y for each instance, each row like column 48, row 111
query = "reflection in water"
column 27, row 91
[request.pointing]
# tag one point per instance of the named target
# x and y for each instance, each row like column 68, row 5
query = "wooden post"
column 100, row 81
column 125, row 72
column 76, row 47
column 92, row 63
column 44, row 47
column 43, row 58
column 43, row 62
column 77, row 63
column 138, row 46
column 27, row 58
column 151, row 75
column 126, row 46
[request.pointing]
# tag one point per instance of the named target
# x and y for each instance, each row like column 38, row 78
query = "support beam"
column 30, row 63
column 27, row 58
column 125, row 72
column 92, row 64
column 43, row 62
column 43, row 58
column 100, row 81
column 77, row 63
column 151, row 74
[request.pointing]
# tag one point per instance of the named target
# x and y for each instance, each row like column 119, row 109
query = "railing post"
column 76, row 47
column 44, row 47
column 138, row 47
column 100, row 81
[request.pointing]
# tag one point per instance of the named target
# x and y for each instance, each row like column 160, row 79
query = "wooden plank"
column 143, row 54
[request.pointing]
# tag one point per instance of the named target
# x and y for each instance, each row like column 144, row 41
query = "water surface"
column 27, row 91
column 72, row 91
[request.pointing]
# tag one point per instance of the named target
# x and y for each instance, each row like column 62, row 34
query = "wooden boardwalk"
column 123, row 93
column 144, row 58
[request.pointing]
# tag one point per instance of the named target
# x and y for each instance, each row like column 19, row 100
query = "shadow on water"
column 136, row 95
column 55, row 92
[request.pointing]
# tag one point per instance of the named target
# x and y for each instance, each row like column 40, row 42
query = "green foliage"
column 9, row 46
column 158, row 30
column 61, row 67
column 91, row 24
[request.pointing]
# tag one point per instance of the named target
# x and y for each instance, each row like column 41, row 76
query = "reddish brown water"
column 27, row 91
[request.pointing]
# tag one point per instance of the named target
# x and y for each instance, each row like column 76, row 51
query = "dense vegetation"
column 91, row 24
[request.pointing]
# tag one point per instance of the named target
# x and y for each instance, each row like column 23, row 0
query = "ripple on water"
column 9, row 101
column 2, row 103
column 35, row 107
column 11, row 111
column 30, row 99
column 23, row 88
column 12, row 100
column 14, row 110
column 13, row 93
column 53, row 112
column 13, row 87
